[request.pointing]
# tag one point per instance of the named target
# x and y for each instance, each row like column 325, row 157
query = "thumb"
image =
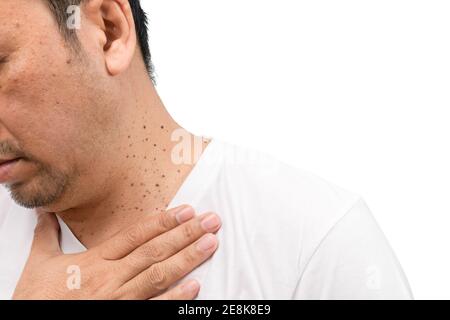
column 46, row 236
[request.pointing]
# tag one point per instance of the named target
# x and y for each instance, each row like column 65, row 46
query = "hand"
column 141, row 262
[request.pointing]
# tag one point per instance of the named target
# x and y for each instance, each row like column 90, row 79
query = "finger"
column 162, row 275
column 186, row 291
column 46, row 236
column 169, row 243
column 144, row 230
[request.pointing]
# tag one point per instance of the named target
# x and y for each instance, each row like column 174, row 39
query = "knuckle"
column 134, row 235
column 157, row 277
column 164, row 221
column 188, row 231
column 178, row 270
column 153, row 251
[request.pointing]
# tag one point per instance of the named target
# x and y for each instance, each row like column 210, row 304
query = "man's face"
column 54, row 114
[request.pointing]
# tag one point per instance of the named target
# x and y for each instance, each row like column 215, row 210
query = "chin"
column 38, row 194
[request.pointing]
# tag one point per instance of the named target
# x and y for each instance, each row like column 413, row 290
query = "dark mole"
column 134, row 156
column 132, row 184
column 157, row 185
column 178, row 171
column 128, row 156
column 164, row 150
column 154, row 144
column 162, row 127
column 163, row 176
column 69, row 61
column 129, row 137
column 145, row 127
column 146, row 139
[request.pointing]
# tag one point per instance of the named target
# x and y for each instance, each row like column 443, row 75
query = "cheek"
column 28, row 99
column 57, row 109
column 39, row 110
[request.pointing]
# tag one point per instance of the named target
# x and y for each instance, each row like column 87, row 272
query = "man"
column 83, row 134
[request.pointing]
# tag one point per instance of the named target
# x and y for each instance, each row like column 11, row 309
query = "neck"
column 145, row 178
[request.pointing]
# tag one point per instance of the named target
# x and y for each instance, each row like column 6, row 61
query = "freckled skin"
column 55, row 113
column 93, row 131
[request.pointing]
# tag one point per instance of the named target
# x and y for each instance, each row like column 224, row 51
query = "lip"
column 7, row 169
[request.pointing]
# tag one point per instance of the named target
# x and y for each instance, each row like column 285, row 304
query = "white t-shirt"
column 286, row 234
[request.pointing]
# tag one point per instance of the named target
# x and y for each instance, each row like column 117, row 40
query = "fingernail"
column 206, row 242
column 191, row 287
column 185, row 214
column 210, row 222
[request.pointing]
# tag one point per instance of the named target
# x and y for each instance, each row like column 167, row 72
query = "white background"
column 354, row 91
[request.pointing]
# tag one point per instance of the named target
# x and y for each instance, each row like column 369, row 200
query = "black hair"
column 59, row 10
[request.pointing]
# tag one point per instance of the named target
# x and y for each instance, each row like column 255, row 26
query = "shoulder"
column 261, row 176
column 279, row 200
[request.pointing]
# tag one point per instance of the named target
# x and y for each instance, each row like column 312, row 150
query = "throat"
column 95, row 224
column 141, row 193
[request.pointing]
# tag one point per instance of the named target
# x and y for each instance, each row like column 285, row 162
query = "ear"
column 114, row 18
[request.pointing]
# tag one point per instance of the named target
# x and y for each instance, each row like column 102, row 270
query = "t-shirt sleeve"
column 353, row 261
